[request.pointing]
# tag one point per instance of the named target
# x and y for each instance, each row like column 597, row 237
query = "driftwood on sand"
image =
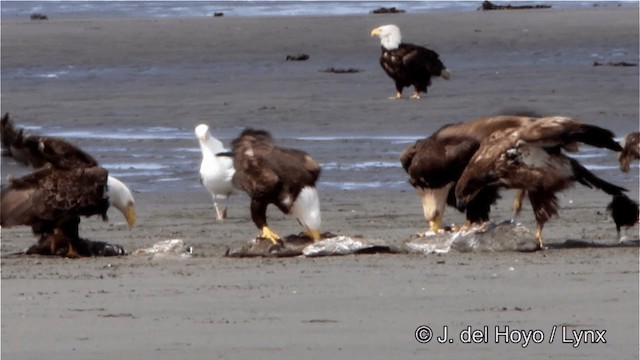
column 389, row 10
column 620, row 63
column 488, row 5
column 38, row 16
column 300, row 57
column 341, row 71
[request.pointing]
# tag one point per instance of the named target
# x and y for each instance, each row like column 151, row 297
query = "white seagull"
column 216, row 170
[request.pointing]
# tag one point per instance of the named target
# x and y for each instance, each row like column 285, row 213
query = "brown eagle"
column 274, row 175
column 434, row 165
column 408, row 64
column 630, row 150
column 532, row 158
column 66, row 183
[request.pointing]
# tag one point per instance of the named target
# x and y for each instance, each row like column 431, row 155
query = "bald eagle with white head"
column 408, row 64
column 216, row 169
column 275, row 175
column 65, row 184
column 532, row 158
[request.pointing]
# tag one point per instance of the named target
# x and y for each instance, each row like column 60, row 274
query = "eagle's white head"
column 390, row 37
column 122, row 199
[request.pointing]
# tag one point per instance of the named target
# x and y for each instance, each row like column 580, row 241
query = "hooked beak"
column 375, row 32
column 130, row 215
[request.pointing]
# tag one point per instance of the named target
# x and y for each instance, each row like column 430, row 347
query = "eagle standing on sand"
column 434, row 165
column 408, row 64
column 66, row 183
column 531, row 158
column 280, row 176
column 216, row 169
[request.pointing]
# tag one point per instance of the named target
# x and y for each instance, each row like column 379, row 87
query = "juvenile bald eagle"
column 630, row 150
column 434, row 165
column 66, row 183
column 280, row 176
column 408, row 64
column 216, row 169
column 531, row 158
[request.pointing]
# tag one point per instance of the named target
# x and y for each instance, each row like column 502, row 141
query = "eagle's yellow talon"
column 435, row 225
column 270, row 235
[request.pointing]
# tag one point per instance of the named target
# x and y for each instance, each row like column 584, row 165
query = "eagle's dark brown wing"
column 566, row 133
column 262, row 168
column 251, row 151
column 49, row 194
column 38, row 151
column 437, row 162
column 418, row 59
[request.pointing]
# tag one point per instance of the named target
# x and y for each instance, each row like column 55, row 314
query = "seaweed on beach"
column 620, row 63
column 38, row 16
column 300, row 57
column 341, row 71
column 389, row 10
column 488, row 5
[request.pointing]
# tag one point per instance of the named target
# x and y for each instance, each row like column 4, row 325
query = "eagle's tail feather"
column 598, row 137
column 589, row 179
column 306, row 208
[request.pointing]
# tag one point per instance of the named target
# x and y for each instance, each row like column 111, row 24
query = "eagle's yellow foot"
column 466, row 226
column 415, row 95
column 434, row 225
column 268, row 234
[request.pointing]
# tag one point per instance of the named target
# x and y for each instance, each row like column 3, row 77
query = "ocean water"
column 181, row 9
column 135, row 158
column 348, row 162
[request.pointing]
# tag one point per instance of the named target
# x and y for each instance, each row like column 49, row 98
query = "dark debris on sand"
column 38, row 16
column 300, row 57
column 488, row 5
column 620, row 63
column 341, row 71
column 389, row 10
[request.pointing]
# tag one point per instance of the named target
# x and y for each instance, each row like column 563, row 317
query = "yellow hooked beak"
column 313, row 234
column 375, row 32
column 130, row 214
